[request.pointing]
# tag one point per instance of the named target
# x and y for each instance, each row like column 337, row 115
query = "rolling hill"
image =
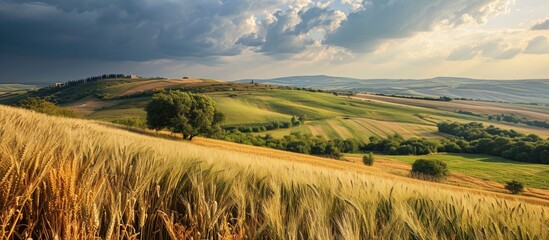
column 247, row 104
column 332, row 117
column 71, row 178
column 513, row 91
column 10, row 90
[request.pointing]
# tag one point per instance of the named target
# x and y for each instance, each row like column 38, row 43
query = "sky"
column 60, row 40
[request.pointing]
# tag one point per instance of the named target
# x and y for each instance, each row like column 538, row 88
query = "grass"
column 242, row 111
column 78, row 179
column 490, row 168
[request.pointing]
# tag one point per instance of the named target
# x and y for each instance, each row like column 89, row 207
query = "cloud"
column 544, row 25
column 498, row 49
column 135, row 30
column 143, row 30
column 538, row 45
column 380, row 20
column 292, row 31
column 465, row 52
column 491, row 49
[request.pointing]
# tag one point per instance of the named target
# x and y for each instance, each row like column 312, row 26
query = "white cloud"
column 538, row 45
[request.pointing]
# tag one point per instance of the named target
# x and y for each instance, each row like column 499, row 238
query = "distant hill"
column 514, row 91
column 8, row 88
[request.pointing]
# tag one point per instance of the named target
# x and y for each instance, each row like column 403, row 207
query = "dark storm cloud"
column 123, row 30
column 381, row 20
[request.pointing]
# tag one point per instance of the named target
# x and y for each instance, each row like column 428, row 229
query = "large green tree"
column 181, row 112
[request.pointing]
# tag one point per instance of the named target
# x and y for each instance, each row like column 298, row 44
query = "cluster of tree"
column 47, row 107
column 294, row 121
column 260, row 128
column 510, row 144
column 90, row 79
column 469, row 113
column 181, row 112
column 304, row 89
column 348, row 93
column 443, row 98
column 397, row 145
column 536, row 123
column 515, row 119
column 296, row 142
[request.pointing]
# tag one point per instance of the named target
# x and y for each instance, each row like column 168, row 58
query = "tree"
column 182, row 112
column 446, row 99
column 431, row 168
column 293, row 120
column 332, row 151
column 514, row 187
column 302, row 118
column 368, row 159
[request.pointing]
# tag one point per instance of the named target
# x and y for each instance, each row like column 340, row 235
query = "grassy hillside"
column 75, row 179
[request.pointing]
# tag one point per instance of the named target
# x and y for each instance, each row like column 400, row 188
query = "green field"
column 490, row 168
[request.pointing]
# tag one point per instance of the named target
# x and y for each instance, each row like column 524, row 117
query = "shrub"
column 47, row 107
column 514, row 187
column 286, row 125
column 430, row 167
column 368, row 159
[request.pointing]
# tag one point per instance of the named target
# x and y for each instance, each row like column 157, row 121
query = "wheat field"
column 76, row 179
